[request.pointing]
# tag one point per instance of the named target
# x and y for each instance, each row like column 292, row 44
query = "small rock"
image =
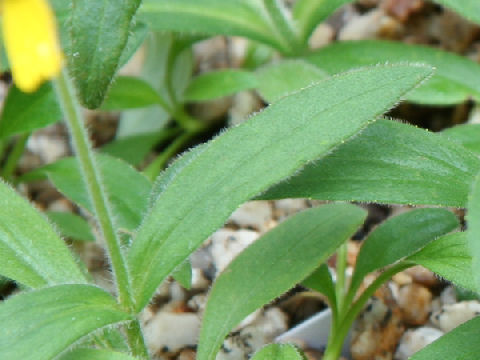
column 227, row 244
column 241, row 344
column 244, row 104
column 170, row 332
column 286, row 207
column 370, row 25
column 48, row 147
column 415, row 340
column 402, row 278
column 415, row 302
column 198, row 302
column 402, row 9
column 187, row 354
column 423, row 276
column 253, row 214
column 323, row 35
column 377, row 330
column 60, row 205
column 454, row 315
column 199, row 281
column 448, row 296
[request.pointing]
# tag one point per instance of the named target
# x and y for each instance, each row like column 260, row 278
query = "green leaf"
column 71, row 225
column 95, row 354
column 278, row 80
column 183, row 274
column 468, row 8
column 216, row 84
column 449, row 257
column 127, row 188
column 30, row 250
column 258, row 153
column 399, row 237
column 99, row 32
column 278, row 352
column 134, row 149
column 41, row 324
column 467, row 134
column 309, row 13
column 27, row 112
column 129, row 92
column 459, row 344
column 271, row 266
column 213, row 17
column 473, row 231
column 454, row 80
column 321, row 280
column 390, row 163
column 138, row 34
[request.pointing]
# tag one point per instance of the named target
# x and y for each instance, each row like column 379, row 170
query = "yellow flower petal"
column 30, row 37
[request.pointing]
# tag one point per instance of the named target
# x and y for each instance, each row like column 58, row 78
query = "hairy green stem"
column 96, row 191
column 341, row 267
column 14, row 157
column 157, row 165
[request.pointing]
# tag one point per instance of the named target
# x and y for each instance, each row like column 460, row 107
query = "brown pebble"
column 402, row 9
column 423, row 276
column 415, row 302
column 187, row 354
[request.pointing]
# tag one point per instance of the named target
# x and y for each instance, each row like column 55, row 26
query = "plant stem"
column 14, row 156
column 340, row 270
column 334, row 347
column 96, row 191
column 284, row 26
column 157, row 165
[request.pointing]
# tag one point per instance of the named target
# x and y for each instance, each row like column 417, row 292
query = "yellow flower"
column 31, row 41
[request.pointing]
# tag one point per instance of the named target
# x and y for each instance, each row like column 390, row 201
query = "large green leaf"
column 41, row 324
column 30, row 250
column 251, row 157
column 271, row 265
column 99, row 32
column 467, row 134
column 391, row 163
column 468, row 8
column 459, row 344
column 280, row 79
column 27, row 112
column 399, row 237
column 278, row 352
column 473, row 232
column 449, row 257
column 309, row 13
column 216, row 84
column 95, row 354
column 454, row 80
column 213, row 17
column 127, row 188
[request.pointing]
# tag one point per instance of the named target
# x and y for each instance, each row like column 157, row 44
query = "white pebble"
column 414, row 340
column 454, row 315
column 254, row 214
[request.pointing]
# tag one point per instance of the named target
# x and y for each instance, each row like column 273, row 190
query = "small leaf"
column 41, row 324
column 95, row 354
column 399, row 237
column 309, row 13
column 473, row 231
column 449, row 257
column 134, row 149
column 99, row 32
column 27, row 112
column 389, row 163
column 127, row 188
column 71, row 225
column 272, row 265
column 129, row 92
column 468, row 8
column 251, row 157
column 278, row 80
column 321, row 280
column 467, row 134
column 183, row 274
column 278, row 352
column 459, row 344
column 30, row 250
column 213, row 17
column 217, row 84
column 454, row 80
